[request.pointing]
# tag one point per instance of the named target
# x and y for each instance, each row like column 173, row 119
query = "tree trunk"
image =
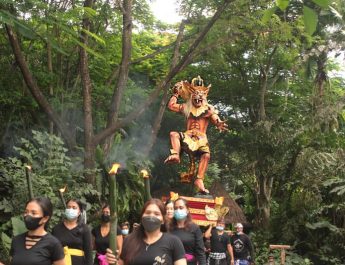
column 157, row 123
column 35, row 90
column 89, row 155
column 123, row 71
column 51, row 90
column 263, row 199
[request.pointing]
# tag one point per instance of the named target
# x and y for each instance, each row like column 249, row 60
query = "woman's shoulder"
column 52, row 238
column 193, row 227
column 58, row 226
column 19, row 237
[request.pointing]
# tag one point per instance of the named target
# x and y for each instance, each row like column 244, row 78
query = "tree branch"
column 35, row 90
column 182, row 63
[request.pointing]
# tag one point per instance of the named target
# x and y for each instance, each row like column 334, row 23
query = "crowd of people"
column 166, row 235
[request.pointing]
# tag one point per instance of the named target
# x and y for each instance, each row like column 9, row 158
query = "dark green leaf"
column 268, row 14
column 310, row 20
column 322, row 3
column 282, row 4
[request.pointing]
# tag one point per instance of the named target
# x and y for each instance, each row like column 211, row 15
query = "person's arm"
column 87, row 245
column 119, row 239
column 199, row 247
column 231, row 252
column 208, row 232
column 111, row 259
column 251, row 250
column 178, row 262
column 57, row 262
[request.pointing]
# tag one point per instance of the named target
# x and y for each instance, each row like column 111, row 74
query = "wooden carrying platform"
column 204, row 211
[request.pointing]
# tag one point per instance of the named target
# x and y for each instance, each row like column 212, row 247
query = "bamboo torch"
column 28, row 180
column 146, row 177
column 61, row 191
column 113, row 208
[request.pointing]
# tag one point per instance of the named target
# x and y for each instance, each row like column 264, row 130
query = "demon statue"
column 193, row 141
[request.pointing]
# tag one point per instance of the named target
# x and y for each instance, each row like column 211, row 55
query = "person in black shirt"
column 242, row 246
column 37, row 247
column 220, row 244
column 188, row 232
column 74, row 235
column 100, row 236
column 147, row 244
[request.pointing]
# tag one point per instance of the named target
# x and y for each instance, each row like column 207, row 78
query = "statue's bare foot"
column 173, row 159
column 200, row 185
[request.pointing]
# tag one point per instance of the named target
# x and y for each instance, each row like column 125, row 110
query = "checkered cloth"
column 216, row 255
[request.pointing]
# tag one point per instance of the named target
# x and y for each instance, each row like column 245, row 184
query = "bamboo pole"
column 61, row 192
column 146, row 177
column 113, row 208
column 28, row 180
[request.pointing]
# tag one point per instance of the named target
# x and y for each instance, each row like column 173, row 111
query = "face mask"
column 150, row 223
column 71, row 214
column 180, row 214
column 124, row 232
column 32, row 223
column 220, row 228
column 105, row 218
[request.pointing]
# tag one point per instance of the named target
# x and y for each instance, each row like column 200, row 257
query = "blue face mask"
column 124, row 231
column 71, row 214
column 220, row 228
column 180, row 214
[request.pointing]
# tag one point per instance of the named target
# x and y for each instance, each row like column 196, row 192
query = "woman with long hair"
column 188, row 232
column 37, row 246
column 100, row 236
column 147, row 244
column 74, row 235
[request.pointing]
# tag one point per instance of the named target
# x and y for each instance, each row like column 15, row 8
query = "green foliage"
column 52, row 169
column 310, row 20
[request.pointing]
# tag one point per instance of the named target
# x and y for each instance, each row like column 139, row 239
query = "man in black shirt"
column 220, row 243
column 242, row 246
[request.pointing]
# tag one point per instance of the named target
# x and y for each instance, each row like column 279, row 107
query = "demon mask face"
column 198, row 98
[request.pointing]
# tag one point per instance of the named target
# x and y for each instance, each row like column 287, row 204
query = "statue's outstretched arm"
column 221, row 125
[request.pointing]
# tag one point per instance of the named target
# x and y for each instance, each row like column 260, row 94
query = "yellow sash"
column 71, row 252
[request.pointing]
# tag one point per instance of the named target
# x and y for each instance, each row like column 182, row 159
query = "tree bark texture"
column 158, row 120
column 89, row 148
column 123, row 71
column 35, row 90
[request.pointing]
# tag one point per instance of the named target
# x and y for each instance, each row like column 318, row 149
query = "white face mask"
column 71, row 213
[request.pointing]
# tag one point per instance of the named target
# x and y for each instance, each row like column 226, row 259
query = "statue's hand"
column 176, row 90
column 222, row 126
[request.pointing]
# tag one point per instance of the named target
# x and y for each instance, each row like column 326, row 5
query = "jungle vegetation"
column 85, row 84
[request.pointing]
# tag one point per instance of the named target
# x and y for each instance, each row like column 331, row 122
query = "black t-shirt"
column 76, row 238
column 219, row 242
column 46, row 251
column 165, row 250
column 193, row 243
column 101, row 242
column 242, row 247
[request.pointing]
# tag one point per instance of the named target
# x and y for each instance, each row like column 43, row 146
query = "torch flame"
column 144, row 173
column 62, row 190
column 28, row 167
column 114, row 169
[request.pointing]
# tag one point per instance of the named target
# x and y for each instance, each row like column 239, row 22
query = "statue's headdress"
column 185, row 89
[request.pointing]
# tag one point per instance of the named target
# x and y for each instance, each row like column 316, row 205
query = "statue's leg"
column 176, row 148
column 203, row 164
